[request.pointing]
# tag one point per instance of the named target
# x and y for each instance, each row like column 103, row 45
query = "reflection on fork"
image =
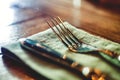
column 73, row 44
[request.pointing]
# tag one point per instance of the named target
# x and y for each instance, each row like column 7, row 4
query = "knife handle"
column 45, row 49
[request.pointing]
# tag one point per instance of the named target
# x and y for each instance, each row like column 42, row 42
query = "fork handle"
column 108, row 52
column 111, row 54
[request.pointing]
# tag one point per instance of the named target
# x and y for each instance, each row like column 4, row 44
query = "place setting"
column 64, row 52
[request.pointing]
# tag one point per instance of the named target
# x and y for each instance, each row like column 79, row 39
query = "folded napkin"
column 55, row 72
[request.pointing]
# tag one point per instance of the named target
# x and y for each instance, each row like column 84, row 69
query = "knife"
column 43, row 50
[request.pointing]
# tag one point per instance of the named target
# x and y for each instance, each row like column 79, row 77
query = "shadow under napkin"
column 21, row 66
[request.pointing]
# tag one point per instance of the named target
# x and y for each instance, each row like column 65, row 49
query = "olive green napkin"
column 55, row 72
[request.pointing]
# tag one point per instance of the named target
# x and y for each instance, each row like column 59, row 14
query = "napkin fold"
column 56, row 72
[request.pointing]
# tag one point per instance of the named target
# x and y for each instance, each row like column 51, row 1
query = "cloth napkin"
column 56, row 72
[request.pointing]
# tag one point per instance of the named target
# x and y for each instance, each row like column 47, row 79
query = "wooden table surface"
column 22, row 18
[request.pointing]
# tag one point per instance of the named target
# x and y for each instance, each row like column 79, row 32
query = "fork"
column 76, row 45
column 72, row 42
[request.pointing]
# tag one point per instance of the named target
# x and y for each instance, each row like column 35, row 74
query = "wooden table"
column 22, row 18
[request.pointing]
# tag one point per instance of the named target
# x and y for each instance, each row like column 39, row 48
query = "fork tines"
column 63, row 33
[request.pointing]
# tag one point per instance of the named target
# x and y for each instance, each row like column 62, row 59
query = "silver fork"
column 67, row 37
column 72, row 42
